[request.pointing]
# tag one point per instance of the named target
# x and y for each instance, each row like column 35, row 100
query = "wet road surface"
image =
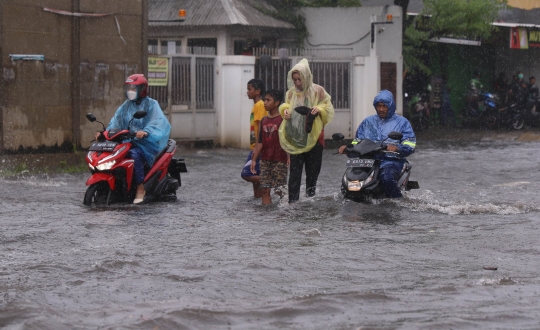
column 217, row 259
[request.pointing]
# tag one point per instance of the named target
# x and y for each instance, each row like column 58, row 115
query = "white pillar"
column 358, row 93
column 399, row 86
column 222, row 43
column 233, row 105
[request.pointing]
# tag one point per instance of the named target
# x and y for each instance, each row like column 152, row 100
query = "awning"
column 446, row 40
column 514, row 24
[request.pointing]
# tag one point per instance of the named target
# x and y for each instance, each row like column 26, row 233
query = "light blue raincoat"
column 155, row 124
column 376, row 129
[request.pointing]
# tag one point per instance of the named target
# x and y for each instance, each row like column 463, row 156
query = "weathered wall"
column 44, row 103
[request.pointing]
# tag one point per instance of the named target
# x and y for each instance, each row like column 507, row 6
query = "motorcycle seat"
column 407, row 166
column 171, row 144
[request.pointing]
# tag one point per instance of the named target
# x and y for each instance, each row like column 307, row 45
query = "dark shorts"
column 246, row 171
column 273, row 174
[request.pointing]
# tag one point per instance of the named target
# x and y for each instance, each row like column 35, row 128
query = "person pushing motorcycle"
column 152, row 131
column 376, row 128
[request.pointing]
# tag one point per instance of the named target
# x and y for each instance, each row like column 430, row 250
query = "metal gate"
column 333, row 75
column 273, row 74
column 188, row 100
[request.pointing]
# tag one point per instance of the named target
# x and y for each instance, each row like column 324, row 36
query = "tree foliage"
column 461, row 18
column 445, row 18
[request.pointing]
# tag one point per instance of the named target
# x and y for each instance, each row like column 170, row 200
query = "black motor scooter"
column 361, row 179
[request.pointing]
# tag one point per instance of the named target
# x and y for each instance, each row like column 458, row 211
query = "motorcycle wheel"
column 97, row 193
column 518, row 122
column 489, row 121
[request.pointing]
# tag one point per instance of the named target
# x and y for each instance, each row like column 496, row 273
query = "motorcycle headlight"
column 369, row 179
column 91, row 167
column 355, row 185
column 106, row 166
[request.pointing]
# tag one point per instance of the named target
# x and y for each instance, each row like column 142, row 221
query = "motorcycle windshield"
column 366, row 146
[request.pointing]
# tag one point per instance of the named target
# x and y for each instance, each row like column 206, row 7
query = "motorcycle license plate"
column 103, row 146
column 356, row 162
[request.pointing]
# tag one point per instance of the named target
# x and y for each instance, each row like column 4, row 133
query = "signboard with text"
column 534, row 38
column 158, row 71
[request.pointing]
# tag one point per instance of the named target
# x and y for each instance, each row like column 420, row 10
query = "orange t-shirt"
column 258, row 112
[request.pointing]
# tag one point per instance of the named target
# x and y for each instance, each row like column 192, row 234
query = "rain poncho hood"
column 387, row 98
column 292, row 133
column 377, row 129
column 154, row 123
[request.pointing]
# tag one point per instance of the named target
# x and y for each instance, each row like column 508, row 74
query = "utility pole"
column 76, row 76
column 404, row 4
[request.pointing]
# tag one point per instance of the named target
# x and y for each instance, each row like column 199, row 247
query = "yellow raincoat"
column 292, row 134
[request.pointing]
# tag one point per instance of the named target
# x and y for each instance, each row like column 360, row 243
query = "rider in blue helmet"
column 376, row 128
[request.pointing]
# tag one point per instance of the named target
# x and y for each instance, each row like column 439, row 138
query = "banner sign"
column 518, row 38
column 158, row 71
column 534, row 38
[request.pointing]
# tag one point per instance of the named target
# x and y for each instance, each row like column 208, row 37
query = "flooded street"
column 217, row 259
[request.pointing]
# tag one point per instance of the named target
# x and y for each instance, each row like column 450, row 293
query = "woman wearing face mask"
column 152, row 131
column 302, row 134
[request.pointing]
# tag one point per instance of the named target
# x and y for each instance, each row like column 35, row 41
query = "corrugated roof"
column 212, row 13
column 519, row 16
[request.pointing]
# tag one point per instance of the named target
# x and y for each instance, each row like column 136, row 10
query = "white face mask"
column 131, row 95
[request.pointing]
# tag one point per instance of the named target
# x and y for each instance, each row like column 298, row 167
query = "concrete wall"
column 44, row 103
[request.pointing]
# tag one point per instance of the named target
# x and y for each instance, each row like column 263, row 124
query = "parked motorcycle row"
column 488, row 113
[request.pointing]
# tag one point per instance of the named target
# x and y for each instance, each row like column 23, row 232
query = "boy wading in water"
column 255, row 89
column 274, row 159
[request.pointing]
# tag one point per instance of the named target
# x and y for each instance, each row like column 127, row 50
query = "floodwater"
column 217, row 259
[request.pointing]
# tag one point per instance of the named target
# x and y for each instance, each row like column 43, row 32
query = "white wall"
column 351, row 28
column 233, row 106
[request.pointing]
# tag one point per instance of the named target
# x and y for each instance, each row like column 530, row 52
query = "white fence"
column 326, row 53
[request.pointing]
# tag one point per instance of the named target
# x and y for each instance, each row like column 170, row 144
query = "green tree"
column 461, row 18
column 451, row 18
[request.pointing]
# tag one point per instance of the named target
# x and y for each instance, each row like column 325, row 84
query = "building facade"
column 61, row 59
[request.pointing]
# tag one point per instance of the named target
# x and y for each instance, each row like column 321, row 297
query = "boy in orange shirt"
column 274, row 159
column 255, row 89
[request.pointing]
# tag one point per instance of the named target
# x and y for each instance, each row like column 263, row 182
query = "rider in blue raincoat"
column 376, row 128
column 153, row 130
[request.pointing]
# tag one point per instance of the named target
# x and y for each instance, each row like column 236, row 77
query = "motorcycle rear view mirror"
column 91, row 117
column 338, row 137
column 140, row 114
column 395, row 135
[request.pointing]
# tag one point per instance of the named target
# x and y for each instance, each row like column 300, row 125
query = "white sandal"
column 139, row 200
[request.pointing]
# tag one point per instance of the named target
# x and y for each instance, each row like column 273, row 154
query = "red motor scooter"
column 112, row 172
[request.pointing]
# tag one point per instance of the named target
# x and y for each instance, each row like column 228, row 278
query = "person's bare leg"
column 266, row 198
column 255, row 180
column 257, row 193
